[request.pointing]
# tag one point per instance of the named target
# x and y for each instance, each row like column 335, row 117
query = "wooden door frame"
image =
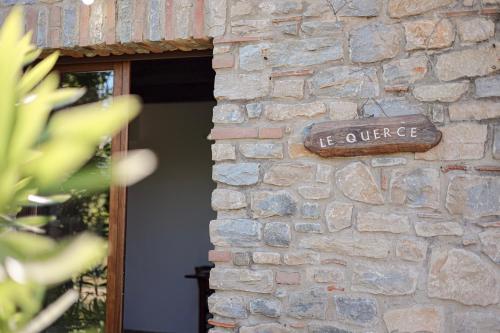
column 117, row 199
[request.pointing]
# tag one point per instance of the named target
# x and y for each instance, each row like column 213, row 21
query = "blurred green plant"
column 43, row 160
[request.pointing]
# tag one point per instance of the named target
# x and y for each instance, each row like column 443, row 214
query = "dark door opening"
column 168, row 213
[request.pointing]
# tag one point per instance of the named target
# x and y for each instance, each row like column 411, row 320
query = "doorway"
column 168, row 213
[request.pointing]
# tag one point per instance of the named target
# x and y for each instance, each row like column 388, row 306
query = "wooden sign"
column 415, row 133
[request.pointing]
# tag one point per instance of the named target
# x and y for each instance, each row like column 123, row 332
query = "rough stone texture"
column 372, row 222
column 261, row 150
column 266, row 307
column 402, row 8
column 269, row 258
column 348, row 244
column 405, row 71
column 462, row 141
column 475, row 29
column 415, row 188
column 294, row 259
column 236, row 174
column 264, row 328
column 432, row 229
column 277, row 234
column 447, row 92
column 391, row 280
column 476, row 110
column 223, row 151
column 288, row 89
column 277, row 203
column 360, row 8
column 286, row 174
column 238, row 232
column 333, row 275
column 310, row 228
column 314, row 192
column 252, row 57
column 241, row 258
column 346, row 81
column 411, row 250
column 473, row 196
column 429, row 34
column 496, row 142
column 342, row 110
column 254, row 110
column 228, row 199
column 467, row 63
column 306, row 52
column 357, row 183
column 388, row 161
column 278, row 112
column 374, row 42
column 356, row 310
column 228, row 114
column 488, row 86
column 418, row 318
column 310, row 210
column 475, row 321
column 261, row 281
column 490, row 241
column 338, row 216
column 227, row 306
column 227, row 86
column 392, row 107
column 462, row 276
column 308, row 304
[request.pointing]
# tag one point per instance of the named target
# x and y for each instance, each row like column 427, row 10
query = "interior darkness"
column 173, row 80
column 168, row 213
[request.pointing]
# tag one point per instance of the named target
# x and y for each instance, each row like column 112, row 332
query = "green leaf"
column 92, row 122
column 35, row 75
column 79, row 255
column 24, row 245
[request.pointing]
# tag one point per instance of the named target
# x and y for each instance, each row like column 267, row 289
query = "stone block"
column 292, row 88
column 475, row 29
column 310, row 210
column 324, row 173
column 388, row 161
column 357, row 8
column 418, row 318
column 241, row 258
column 237, row 232
column 392, row 107
column 385, row 280
column 266, row 307
column 254, row 110
column 356, row 310
column 375, row 42
column 314, row 192
column 338, row 216
column 278, row 112
column 411, row 250
column 346, row 81
column 473, row 196
column 496, row 142
column 490, row 242
column 262, row 150
column 252, row 56
column 417, row 188
column 405, row 71
column 228, row 114
column 277, row 234
column 269, row 258
column 308, row 228
column 475, row 321
column 272, row 203
column 467, row 63
column 223, row 199
column 227, row 306
column 257, row 281
column 321, row 28
column 228, row 85
column 358, row 183
column 403, row 8
column 429, row 34
column 488, row 86
column 289, row 278
column 305, row 52
column 342, row 110
column 331, row 275
column 446, row 92
column 432, row 229
column 461, row 141
column 289, row 173
column 264, row 328
column 236, row 174
column 377, row 222
column 474, row 110
column 308, row 304
column 223, row 151
column 462, row 276
column 303, row 258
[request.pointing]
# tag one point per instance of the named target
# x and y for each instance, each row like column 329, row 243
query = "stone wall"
column 397, row 243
